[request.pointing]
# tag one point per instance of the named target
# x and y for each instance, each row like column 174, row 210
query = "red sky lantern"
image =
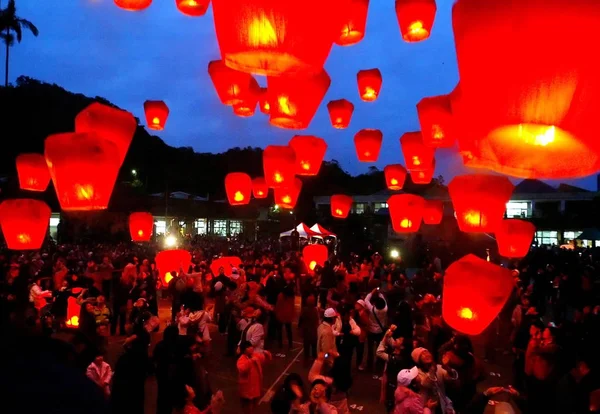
column 279, row 165
column 354, row 22
column 231, row 85
column 83, row 168
column 475, row 291
column 369, row 84
column 157, row 113
column 260, row 189
column 141, row 225
column 433, row 212
column 33, row 172
column 395, row 175
column 294, row 100
column 415, row 18
column 194, row 8
column 133, row 5
column 435, row 116
column 368, row 144
column 340, row 205
column 417, row 156
column 168, row 261
column 238, row 186
column 315, row 254
column 536, row 118
column 24, row 223
column 406, row 212
column 227, row 263
column 514, row 237
column 310, row 151
column 247, row 106
column 263, row 101
column 340, row 113
column 287, row 196
column 480, row 201
column 110, row 123
column 423, row 177
column 267, row 37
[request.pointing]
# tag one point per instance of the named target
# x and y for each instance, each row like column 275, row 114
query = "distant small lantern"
column 231, row 85
column 395, row 175
column 423, row 177
column 310, row 151
column 340, row 113
column 474, row 293
column 24, row 223
column 315, row 255
column 367, row 143
column 238, row 186
column 415, row 18
column 514, row 237
column 433, row 212
column 340, row 205
column 406, row 212
column 435, row 116
column 157, row 113
column 247, row 106
column 194, row 8
column 369, row 84
column 260, row 189
column 287, row 196
column 263, row 101
column 354, row 22
column 417, row 156
column 33, row 172
column 168, row 261
column 480, row 201
column 279, row 165
column 133, row 5
column 141, row 225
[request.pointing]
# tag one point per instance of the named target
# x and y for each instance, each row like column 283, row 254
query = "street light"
column 133, row 172
column 394, row 254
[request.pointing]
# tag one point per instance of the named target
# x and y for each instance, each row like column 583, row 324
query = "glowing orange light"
column 140, row 226
column 24, row 238
column 415, row 18
column 84, row 191
column 277, row 177
column 238, row 196
column 405, row 223
column 141, row 233
column 466, row 313
column 168, row 277
column 193, row 8
column 369, row 84
column 156, row 120
column 156, row 113
column 338, row 211
column 313, row 264
column 286, row 199
column 354, row 19
column 33, row 172
column 133, row 5
column 406, row 212
column 260, row 192
column 305, row 165
column 473, row 217
column 74, row 321
column 416, row 32
column 416, row 161
column 393, row 181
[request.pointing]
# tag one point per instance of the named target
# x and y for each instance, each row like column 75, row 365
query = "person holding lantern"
column 432, row 378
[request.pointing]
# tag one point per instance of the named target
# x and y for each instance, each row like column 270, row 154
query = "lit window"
column 379, row 206
column 220, row 228
column 235, row 227
column 54, row 221
column 161, row 226
column 518, row 209
column 359, row 208
column 200, row 226
column 571, row 235
column 547, row 238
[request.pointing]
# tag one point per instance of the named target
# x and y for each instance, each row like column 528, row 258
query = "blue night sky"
column 93, row 47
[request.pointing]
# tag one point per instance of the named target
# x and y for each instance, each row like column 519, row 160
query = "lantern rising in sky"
column 263, row 101
column 369, row 84
column 168, row 261
column 194, row 8
column 423, row 177
column 315, row 255
column 367, row 143
column 340, row 205
column 33, row 172
column 310, row 151
column 260, row 189
column 247, row 105
column 231, row 85
column 433, row 212
column 395, row 175
column 133, row 5
column 514, row 237
column 340, row 113
column 279, row 165
column 354, row 22
column 406, row 212
column 238, row 186
column 287, row 196
column 417, row 156
column 415, row 18
column 157, row 113
column 435, row 117
column 24, row 223
column 141, row 225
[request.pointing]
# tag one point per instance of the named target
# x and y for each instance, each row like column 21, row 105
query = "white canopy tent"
column 303, row 230
column 317, row 228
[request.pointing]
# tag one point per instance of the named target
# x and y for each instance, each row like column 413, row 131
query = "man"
column 252, row 330
column 325, row 334
column 377, row 309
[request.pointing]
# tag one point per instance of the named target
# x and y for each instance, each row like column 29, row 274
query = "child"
column 101, row 373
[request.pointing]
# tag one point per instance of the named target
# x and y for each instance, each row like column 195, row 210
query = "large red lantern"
column 84, row 168
column 340, row 113
column 315, row 255
column 141, row 226
column 433, row 212
column 169, row 261
column 109, row 123
column 529, row 95
column 310, row 151
column 475, row 291
column 33, row 172
column 238, row 186
column 395, row 175
column 367, row 143
column 263, row 101
column 354, row 22
column 294, row 100
column 279, row 165
column 406, row 212
column 260, row 189
column 435, row 116
column 157, row 113
column 133, row 5
column 225, row 262
column 340, row 205
column 194, row 8
column 415, row 18
column 287, row 196
column 369, row 84
column 24, row 223
column 270, row 37
column 480, row 201
column 514, row 237
column 417, row 156
column 231, row 85
column 423, row 177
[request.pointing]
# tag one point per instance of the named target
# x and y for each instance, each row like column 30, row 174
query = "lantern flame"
column 286, row 106
column 416, row 32
column 437, row 132
column 238, row 196
column 266, row 106
column 466, row 313
column 406, row 223
column 339, row 212
column 140, row 233
column 305, row 165
column 312, row 265
column 278, row 177
column 262, row 33
column 234, row 90
column 260, row 193
column 541, row 135
column 286, row 199
column 416, row 160
column 156, row 120
column 473, row 217
column 24, row 238
column 369, row 94
column 367, row 153
column 84, row 192
column 74, row 321
column 393, row 181
column 168, row 277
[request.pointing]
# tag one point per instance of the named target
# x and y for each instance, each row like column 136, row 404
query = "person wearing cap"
column 433, row 377
column 252, row 331
column 406, row 397
column 325, row 333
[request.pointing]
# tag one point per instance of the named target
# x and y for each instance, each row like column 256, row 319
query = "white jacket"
column 381, row 315
column 101, row 375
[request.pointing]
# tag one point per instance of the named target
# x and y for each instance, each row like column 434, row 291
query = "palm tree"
column 11, row 28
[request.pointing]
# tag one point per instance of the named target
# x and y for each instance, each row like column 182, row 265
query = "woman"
column 285, row 309
column 394, row 353
column 250, row 376
column 407, row 398
column 347, row 333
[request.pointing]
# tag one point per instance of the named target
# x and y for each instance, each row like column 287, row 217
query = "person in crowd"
column 285, row 308
column 250, row 370
column 318, row 400
column 165, row 359
column 434, row 377
column 336, row 374
column 102, row 315
column 407, row 398
column 377, row 310
column 397, row 357
column 284, row 398
column 325, row 333
column 309, row 326
column 38, row 296
column 101, row 373
column 252, row 330
column 347, row 332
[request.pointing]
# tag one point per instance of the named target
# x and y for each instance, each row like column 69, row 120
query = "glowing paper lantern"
column 239, row 188
column 514, row 237
column 435, row 116
column 157, row 113
column 406, row 212
column 263, row 101
column 417, row 156
column 24, row 223
column 395, row 175
column 231, row 85
column 83, row 168
column 287, row 196
column 141, row 226
column 112, row 124
column 33, row 172
column 227, row 263
column 279, row 165
column 340, row 113
column 260, row 189
column 423, row 177
column 433, row 212
column 369, row 84
column 294, row 100
column 271, row 38
column 247, row 106
column 315, row 254
column 340, row 205
column 73, row 309
column 169, row 261
column 475, row 291
column 194, row 8
column 310, row 151
column 354, row 22
column 367, row 143
column 479, row 201
column 133, row 5
column 415, row 18
column 536, row 118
